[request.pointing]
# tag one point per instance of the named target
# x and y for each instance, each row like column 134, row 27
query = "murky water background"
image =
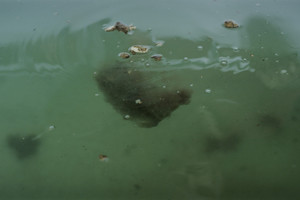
column 238, row 138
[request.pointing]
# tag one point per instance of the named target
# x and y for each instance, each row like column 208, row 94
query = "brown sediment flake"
column 157, row 57
column 230, row 24
column 133, row 94
column 110, row 28
column 139, row 49
column 124, row 55
column 120, row 27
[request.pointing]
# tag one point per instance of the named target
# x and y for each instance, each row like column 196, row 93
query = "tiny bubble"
column 138, row 101
column 52, row 127
column 96, row 95
column 224, row 62
column 207, row 91
column 147, row 64
column 235, row 49
column 284, row 71
column 200, row 47
column 164, row 86
column 191, row 85
column 185, row 58
column 126, row 116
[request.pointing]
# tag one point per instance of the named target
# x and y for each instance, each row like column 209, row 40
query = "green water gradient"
column 238, row 138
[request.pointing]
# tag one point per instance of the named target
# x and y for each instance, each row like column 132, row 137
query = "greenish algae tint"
column 217, row 117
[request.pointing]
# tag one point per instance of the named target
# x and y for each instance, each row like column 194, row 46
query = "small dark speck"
column 296, row 140
column 294, row 118
column 242, row 168
column 137, row 186
column 84, row 147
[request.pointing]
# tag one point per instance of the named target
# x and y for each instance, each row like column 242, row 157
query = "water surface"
column 236, row 139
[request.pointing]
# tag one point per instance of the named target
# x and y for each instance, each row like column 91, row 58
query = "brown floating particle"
column 156, row 57
column 230, row 24
column 124, row 55
column 103, row 158
column 110, row 28
column 120, row 27
column 139, row 49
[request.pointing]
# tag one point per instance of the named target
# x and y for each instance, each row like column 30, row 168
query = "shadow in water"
column 24, row 146
column 224, row 144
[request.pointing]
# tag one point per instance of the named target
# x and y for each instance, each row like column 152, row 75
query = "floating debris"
column 120, row 27
column 124, row 55
column 157, row 57
column 230, row 24
column 159, row 43
column 103, row 158
column 139, row 49
column 110, row 28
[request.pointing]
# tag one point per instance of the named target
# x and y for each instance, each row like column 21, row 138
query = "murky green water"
column 238, row 138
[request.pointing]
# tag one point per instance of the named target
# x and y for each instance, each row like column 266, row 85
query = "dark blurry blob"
column 224, row 144
column 23, row 146
column 132, row 93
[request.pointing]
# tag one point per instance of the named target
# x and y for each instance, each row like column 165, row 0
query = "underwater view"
column 150, row 100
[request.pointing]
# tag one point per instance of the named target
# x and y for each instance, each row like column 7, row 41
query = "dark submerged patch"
column 270, row 123
column 132, row 93
column 225, row 144
column 23, row 146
